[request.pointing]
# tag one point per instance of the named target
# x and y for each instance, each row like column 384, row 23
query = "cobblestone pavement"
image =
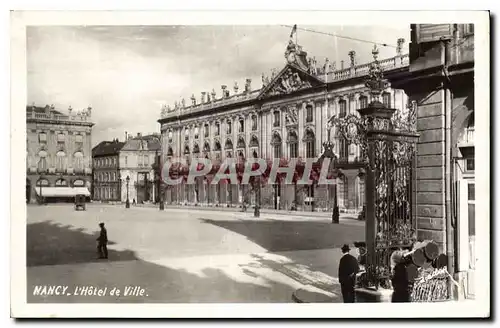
column 181, row 255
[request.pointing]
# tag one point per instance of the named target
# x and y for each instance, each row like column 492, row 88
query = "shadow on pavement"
column 60, row 255
column 49, row 243
column 280, row 236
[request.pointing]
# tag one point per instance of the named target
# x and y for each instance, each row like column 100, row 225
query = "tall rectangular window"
column 241, row 126
column 387, row 99
column 309, row 113
column 277, row 151
column 254, row 123
column 310, row 153
column 42, row 138
column 229, row 127
column 276, row 115
column 363, row 102
column 342, row 108
column 206, row 130
column 217, row 128
column 344, row 149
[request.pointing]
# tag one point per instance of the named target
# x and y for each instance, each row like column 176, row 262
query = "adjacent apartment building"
column 115, row 161
column 58, row 153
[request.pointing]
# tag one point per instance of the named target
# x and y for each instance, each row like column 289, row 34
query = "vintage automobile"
column 79, row 202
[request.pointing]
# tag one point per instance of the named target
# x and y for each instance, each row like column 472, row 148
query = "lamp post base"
column 162, row 206
column 335, row 215
column 127, row 204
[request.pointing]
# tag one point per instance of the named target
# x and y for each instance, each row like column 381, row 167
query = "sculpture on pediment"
column 183, row 102
column 163, row 111
column 327, row 67
column 289, row 82
column 193, row 100
column 213, row 94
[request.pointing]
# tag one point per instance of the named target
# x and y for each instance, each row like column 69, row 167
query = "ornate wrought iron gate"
column 387, row 139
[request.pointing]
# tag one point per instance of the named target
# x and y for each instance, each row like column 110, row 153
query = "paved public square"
column 184, row 255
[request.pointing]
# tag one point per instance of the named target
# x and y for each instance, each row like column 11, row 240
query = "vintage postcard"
column 242, row 164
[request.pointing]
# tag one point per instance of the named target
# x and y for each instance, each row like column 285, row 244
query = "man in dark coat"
column 348, row 268
column 102, row 241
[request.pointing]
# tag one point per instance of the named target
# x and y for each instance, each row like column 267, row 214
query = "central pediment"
column 289, row 80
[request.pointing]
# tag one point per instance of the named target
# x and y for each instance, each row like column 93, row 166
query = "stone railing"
column 58, row 117
column 364, row 69
column 213, row 104
column 343, row 74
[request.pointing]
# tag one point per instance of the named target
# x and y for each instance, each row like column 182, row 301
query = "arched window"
column 170, row 136
column 241, row 125
column 196, row 149
column 217, row 146
column 42, row 182
column 61, row 183
column 241, row 143
column 186, row 134
column 78, row 161
column 293, row 143
column 42, row 162
column 196, row 132
column 229, row 144
column 186, row 150
column 60, row 161
column 310, row 141
column 78, row 183
column 254, row 141
column 254, row 154
column 277, row 145
column 206, row 147
column 170, row 151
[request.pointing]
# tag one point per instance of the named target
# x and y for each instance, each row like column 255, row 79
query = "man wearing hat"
column 102, row 241
column 348, row 268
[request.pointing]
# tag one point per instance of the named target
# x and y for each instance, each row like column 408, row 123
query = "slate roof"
column 107, row 148
column 153, row 143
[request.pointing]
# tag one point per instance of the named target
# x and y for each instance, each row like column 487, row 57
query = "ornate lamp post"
column 256, row 211
column 127, row 202
column 41, row 197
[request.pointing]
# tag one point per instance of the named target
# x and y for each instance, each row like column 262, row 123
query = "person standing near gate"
column 102, row 241
column 348, row 268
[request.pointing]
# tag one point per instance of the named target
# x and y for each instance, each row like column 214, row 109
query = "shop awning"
column 62, row 191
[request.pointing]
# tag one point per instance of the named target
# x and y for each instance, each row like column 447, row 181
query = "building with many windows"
column 58, row 155
column 114, row 161
column 286, row 117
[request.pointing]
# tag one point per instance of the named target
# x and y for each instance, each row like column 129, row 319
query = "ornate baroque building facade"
column 287, row 117
column 58, row 150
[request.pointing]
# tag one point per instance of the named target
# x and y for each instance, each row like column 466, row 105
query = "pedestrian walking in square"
column 102, row 242
column 348, row 268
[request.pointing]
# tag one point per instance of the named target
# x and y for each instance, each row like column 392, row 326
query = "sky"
column 126, row 73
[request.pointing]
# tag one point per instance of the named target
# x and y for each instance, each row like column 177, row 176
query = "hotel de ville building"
column 287, row 116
